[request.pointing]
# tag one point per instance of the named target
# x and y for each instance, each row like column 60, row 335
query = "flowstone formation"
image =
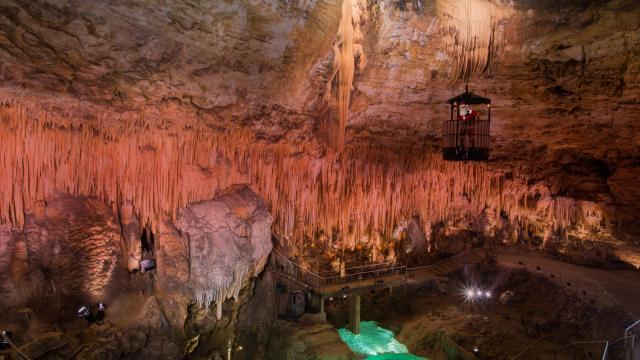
column 68, row 252
column 229, row 242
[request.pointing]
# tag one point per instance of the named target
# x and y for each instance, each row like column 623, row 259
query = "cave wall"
column 135, row 91
column 349, row 196
column 71, row 252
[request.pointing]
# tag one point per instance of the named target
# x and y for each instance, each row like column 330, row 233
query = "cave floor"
column 621, row 286
column 433, row 321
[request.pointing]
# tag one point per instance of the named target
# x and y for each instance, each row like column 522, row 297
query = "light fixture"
column 5, row 343
column 102, row 308
column 472, row 294
column 83, row 312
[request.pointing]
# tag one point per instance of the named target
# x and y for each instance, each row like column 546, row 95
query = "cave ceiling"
column 564, row 76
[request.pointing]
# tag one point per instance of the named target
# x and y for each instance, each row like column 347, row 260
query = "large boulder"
column 229, row 241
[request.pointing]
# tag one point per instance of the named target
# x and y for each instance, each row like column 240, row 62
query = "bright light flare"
column 472, row 294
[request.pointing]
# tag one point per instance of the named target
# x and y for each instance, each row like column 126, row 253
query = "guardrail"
column 630, row 345
column 449, row 259
column 585, row 288
column 360, row 268
column 302, row 274
column 348, row 276
column 558, row 349
column 296, row 271
column 605, row 351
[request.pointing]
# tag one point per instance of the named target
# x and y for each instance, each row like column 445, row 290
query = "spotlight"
column 344, row 296
column 476, row 350
column 83, row 312
column 470, row 294
column 102, row 308
column 330, row 299
column 5, row 343
column 487, row 294
column 479, row 293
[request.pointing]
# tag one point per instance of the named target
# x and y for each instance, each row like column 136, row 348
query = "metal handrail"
column 468, row 252
column 591, row 281
column 531, row 344
column 632, row 336
column 360, row 276
column 320, row 281
column 295, row 264
column 632, row 326
column 605, row 352
column 358, row 267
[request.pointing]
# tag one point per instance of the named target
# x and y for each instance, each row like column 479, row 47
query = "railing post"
column 626, row 334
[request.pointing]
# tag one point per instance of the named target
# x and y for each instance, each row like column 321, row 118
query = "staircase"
column 455, row 262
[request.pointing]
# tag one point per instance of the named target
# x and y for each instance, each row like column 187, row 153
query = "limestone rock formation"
column 131, row 233
column 309, row 341
column 229, row 242
column 563, row 79
column 74, row 251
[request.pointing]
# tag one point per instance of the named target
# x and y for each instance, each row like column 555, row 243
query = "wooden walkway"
column 371, row 276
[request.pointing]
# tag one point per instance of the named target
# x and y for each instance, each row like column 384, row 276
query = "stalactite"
column 360, row 192
column 474, row 25
column 347, row 52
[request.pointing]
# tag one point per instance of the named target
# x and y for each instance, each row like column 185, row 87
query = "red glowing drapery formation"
column 160, row 169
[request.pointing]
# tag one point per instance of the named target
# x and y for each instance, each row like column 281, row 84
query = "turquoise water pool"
column 376, row 343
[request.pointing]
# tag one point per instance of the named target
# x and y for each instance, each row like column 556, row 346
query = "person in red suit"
column 467, row 118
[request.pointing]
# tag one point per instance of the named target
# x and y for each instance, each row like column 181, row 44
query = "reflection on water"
column 376, row 342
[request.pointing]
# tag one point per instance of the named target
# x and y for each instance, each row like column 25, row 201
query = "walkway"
column 611, row 287
column 371, row 276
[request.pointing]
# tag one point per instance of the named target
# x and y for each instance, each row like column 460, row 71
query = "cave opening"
column 147, row 241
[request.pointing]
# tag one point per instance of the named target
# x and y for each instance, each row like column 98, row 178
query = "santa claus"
column 467, row 118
